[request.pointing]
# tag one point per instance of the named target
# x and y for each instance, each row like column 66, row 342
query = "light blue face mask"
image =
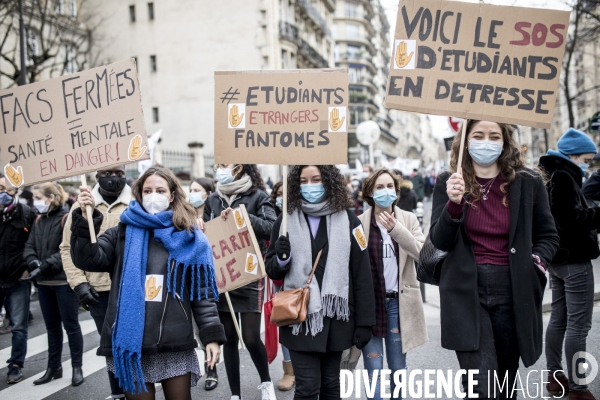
column 312, row 192
column 224, row 176
column 196, row 199
column 384, row 197
column 485, row 152
column 279, row 202
column 584, row 167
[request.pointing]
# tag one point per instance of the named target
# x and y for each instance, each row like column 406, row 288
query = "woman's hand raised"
column 455, row 188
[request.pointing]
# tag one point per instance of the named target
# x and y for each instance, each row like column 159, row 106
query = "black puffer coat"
column 576, row 221
column 168, row 322
column 43, row 244
column 248, row 298
column 14, row 232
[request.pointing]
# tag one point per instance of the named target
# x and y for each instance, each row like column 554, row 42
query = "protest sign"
column 72, row 125
column 477, row 61
column 282, row 117
column 237, row 256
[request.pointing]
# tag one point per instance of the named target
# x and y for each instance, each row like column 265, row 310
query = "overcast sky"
column 440, row 124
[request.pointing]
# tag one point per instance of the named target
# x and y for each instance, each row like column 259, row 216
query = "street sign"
column 368, row 132
column 455, row 123
column 448, row 143
column 595, row 123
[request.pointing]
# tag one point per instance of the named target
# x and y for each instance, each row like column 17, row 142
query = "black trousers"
column 317, row 374
column 98, row 312
column 498, row 354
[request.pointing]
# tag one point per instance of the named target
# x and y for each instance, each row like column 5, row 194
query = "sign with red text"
column 282, row 117
column 477, row 61
column 72, row 125
column 238, row 260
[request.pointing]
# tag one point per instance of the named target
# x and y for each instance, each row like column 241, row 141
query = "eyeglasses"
column 107, row 174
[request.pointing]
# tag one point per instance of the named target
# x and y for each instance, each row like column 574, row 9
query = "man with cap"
column 111, row 197
column 571, row 272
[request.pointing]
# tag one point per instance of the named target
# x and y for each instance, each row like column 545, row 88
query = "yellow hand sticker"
column 402, row 59
column 334, row 120
column 360, row 237
column 234, row 118
column 151, row 290
column 135, row 148
column 250, row 264
column 239, row 220
column 15, row 176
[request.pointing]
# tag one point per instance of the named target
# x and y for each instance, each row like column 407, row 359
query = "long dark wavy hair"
column 509, row 162
column 254, row 173
column 333, row 182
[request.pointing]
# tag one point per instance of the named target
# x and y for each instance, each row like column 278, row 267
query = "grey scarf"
column 230, row 191
column 332, row 299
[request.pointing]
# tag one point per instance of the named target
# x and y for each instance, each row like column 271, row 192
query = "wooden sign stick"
column 235, row 322
column 462, row 146
column 285, row 196
column 88, row 212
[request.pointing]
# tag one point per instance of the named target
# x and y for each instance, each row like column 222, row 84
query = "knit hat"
column 576, row 142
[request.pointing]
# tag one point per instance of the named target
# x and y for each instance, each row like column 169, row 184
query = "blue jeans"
column 16, row 302
column 571, row 316
column 59, row 306
column 373, row 351
column 284, row 350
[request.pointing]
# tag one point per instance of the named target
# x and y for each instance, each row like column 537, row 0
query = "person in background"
column 15, row 226
column 288, row 380
column 269, row 183
column 72, row 193
column 242, row 184
column 111, row 196
column 341, row 307
column 26, row 197
column 395, row 240
column 591, row 187
column 163, row 279
column 418, row 184
column 571, row 270
column 200, row 189
column 58, row 302
column 367, row 170
column 408, row 198
column 495, row 223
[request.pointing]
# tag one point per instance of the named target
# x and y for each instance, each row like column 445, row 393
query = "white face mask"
column 41, row 206
column 155, row 203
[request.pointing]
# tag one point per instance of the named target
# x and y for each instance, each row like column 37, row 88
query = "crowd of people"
column 150, row 286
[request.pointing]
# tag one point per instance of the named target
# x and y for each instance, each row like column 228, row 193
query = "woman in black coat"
column 58, row 302
column 571, row 271
column 341, row 310
column 494, row 220
column 242, row 184
column 162, row 273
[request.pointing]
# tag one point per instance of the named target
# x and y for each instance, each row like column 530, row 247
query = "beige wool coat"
column 410, row 238
column 112, row 215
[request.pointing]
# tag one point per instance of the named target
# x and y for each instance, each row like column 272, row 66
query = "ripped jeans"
column 396, row 360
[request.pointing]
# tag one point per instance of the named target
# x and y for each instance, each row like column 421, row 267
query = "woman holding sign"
column 341, row 307
column 493, row 218
column 242, row 184
column 162, row 274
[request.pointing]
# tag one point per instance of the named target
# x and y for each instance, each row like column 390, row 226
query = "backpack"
column 62, row 220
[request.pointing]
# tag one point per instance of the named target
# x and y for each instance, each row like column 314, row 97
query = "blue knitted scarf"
column 187, row 250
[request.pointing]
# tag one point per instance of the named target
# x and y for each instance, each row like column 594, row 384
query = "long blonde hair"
column 509, row 162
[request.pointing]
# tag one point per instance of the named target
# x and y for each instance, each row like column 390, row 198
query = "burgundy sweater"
column 487, row 224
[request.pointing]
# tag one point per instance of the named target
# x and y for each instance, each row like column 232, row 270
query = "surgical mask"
column 224, row 175
column 41, row 206
column 23, row 201
column 312, row 192
column 5, row 199
column 485, row 152
column 196, row 199
column 384, row 197
column 112, row 184
column 583, row 167
column 155, row 203
column 279, row 202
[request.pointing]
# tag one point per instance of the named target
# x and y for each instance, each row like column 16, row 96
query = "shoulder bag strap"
column 314, row 267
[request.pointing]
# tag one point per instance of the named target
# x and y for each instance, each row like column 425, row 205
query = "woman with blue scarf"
column 162, row 273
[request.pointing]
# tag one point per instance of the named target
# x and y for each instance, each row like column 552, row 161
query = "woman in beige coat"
column 394, row 241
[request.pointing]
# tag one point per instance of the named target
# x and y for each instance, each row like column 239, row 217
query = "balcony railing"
column 289, row 32
column 312, row 12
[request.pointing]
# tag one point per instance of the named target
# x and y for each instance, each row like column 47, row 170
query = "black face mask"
column 112, row 184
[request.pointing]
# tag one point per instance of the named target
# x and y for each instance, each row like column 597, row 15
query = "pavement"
column 428, row 356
